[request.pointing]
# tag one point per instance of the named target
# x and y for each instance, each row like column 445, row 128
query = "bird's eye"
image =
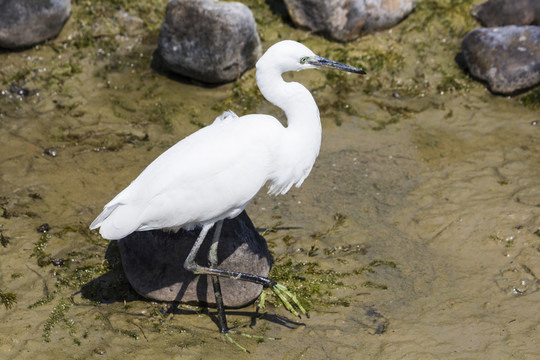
column 304, row 59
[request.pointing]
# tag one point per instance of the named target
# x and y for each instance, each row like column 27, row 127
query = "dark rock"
column 19, row 90
column 507, row 12
column 58, row 262
column 25, row 23
column 507, row 58
column 346, row 20
column 208, row 41
column 51, row 152
column 153, row 263
column 43, row 228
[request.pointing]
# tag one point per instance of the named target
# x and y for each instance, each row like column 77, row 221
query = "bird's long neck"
column 301, row 141
column 293, row 98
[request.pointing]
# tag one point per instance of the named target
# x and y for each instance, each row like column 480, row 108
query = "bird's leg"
column 190, row 264
column 281, row 291
column 213, row 259
column 212, row 254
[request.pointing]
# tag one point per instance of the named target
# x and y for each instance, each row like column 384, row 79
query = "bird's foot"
column 257, row 337
column 283, row 293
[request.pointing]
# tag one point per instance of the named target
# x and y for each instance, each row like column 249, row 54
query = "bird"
column 213, row 174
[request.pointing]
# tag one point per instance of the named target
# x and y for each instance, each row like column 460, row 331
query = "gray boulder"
column 153, row 263
column 345, row 20
column 507, row 58
column 24, row 23
column 207, row 40
column 507, row 12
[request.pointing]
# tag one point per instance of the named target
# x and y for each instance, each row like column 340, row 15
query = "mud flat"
column 416, row 236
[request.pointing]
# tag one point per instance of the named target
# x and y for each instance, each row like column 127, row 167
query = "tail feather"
column 116, row 221
column 101, row 217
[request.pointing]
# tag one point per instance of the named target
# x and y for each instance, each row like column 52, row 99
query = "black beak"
column 321, row 62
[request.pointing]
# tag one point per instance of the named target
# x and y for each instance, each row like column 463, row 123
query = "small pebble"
column 58, row 262
column 99, row 351
column 19, row 90
column 51, row 152
column 43, row 228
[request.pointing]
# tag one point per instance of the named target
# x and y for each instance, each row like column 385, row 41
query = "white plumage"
column 215, row 172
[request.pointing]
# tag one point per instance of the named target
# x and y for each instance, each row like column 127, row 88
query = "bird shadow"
column 146, row 252
column 176, row 309
column 113, row 286
column 151, row 262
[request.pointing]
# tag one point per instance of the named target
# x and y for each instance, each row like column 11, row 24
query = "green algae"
column 142, row 113
column 90, row 236
column 79, row 276
column 374, row 285
column 86, row 12
column 314, row 286
column 531, row 100
column 4, row 240
column 8, row 299
column 371, row 267
column 448, row 17
column 42, row 301
column 306, row 280
column 163, row 114
column 43, row 258
column 339, row 221
column 58, row 316
column 378, row 60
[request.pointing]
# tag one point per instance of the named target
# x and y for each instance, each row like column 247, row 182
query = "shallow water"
column 415, row 237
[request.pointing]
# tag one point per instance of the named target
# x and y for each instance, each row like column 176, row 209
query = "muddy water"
column 415, row 238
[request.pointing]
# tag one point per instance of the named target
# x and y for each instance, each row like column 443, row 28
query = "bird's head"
column 290, row 55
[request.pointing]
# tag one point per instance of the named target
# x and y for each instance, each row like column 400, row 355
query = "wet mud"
column 416, row 236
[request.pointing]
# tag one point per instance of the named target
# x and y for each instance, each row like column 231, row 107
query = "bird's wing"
column 214, row 171
column 227, row 116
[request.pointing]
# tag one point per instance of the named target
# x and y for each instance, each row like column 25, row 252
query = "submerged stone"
column 507, row 58
column 25, row 23
column 346, row 20
column 153, row 263
column 207, row 40
column 507, row 12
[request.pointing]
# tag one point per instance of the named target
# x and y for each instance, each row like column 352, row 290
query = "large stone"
column 346, row 20
column 507, row 58
column 507, row 12
column 24, row 23
column 153, row 263
column 207, row 40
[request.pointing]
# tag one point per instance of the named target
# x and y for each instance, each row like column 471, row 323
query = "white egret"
column 214, row 173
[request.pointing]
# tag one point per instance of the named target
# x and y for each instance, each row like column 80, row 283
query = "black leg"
column 213, row 259
column 223, row 328
column 281, row 291
column 192, row 266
